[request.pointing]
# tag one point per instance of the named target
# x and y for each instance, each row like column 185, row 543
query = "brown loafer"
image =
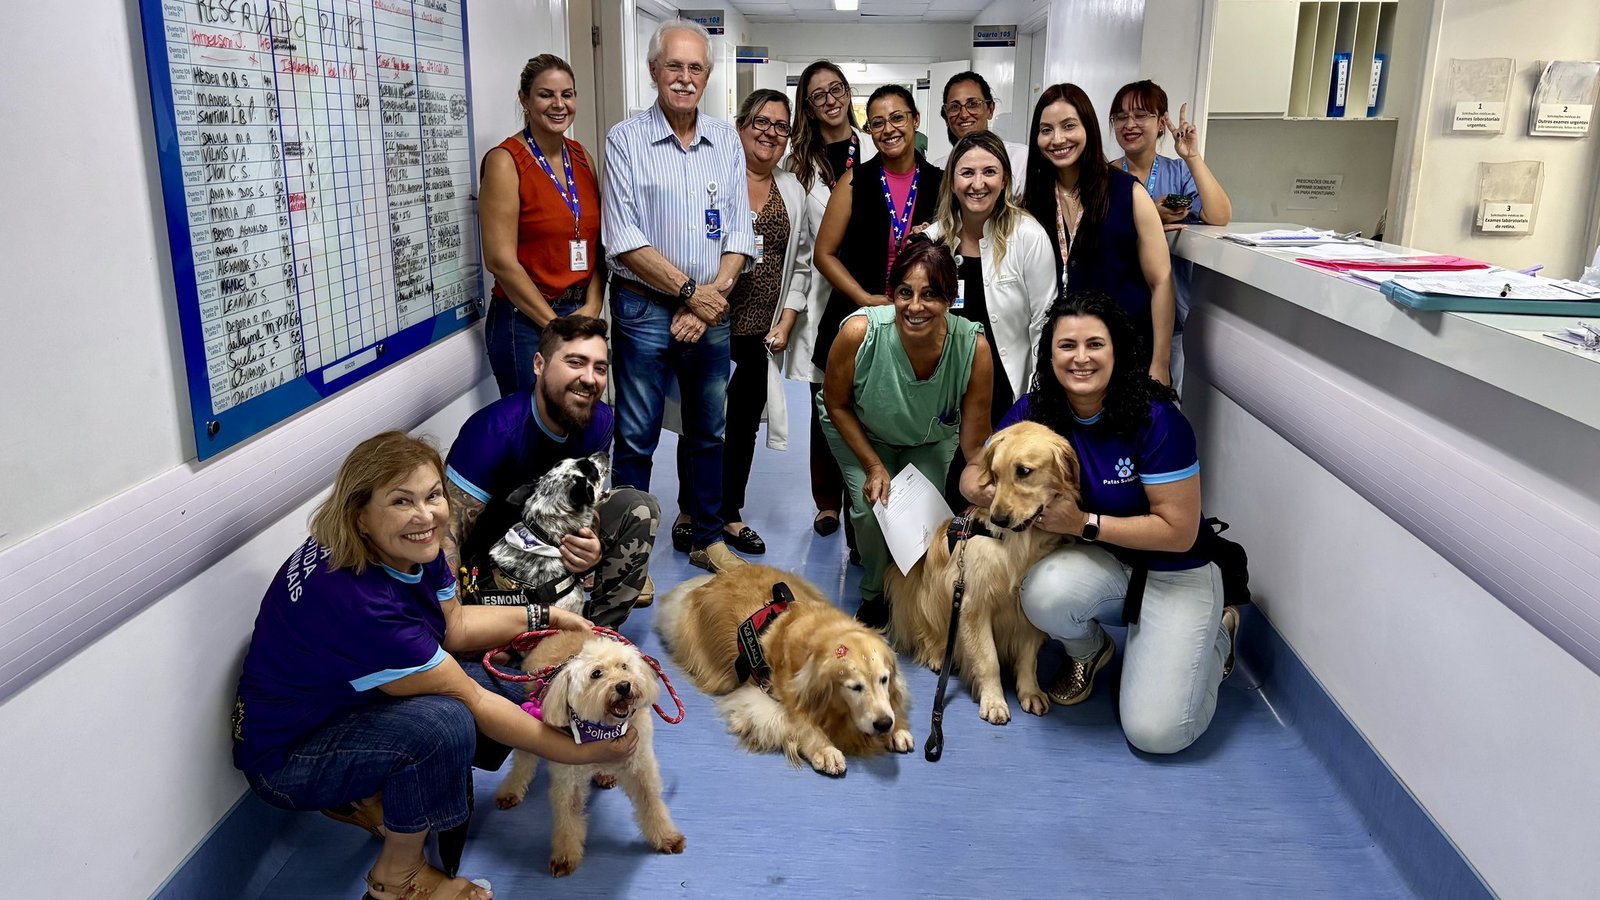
column 647, row 593
column 1075, row 682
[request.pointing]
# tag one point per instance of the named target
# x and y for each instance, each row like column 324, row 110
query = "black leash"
column 935, row 746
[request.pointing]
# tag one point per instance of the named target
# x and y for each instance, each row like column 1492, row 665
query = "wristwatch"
column 1091, row 528
column 686, row 292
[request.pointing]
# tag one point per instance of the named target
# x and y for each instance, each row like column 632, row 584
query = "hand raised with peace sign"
column 1185, row 139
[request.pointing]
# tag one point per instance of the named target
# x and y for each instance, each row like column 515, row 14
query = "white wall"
column 1444, row 167
column 1256, row 160
column 1095, row 44
column 804, row 43
column 121, row 751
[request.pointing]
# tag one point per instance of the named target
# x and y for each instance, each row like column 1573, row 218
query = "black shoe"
column 746, row 541
column 873, row 613
column 855, row 557
column 682, row 536
column 826, row 522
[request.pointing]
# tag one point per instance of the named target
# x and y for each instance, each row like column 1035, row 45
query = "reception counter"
column 1420, row 496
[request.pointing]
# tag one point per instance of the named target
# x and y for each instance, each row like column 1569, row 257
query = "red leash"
column 526, row 641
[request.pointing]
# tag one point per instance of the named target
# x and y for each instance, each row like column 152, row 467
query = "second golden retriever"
column 835, row 688
column 1029, row 466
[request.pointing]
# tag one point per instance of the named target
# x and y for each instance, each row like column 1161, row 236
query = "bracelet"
column 538, row 616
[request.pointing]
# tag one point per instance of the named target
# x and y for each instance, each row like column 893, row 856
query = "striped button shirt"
column 656, row 194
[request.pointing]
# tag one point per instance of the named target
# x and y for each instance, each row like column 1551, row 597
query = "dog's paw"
column 829, row 761
column 902, row 741
column 1035, row 703
column 995, row 712
column 562, row 866
column 672, row 843
column 603, row 781
column 507, row 799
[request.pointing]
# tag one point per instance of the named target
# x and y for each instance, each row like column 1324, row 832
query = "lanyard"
column 1064, row 238
column 849, row 159
column 898, row 225
column 1149, row 183
column 571, row 198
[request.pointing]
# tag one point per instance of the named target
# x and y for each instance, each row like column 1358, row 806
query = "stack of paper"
column 1586, row 335
column 1491, row 282
column 1288, row 237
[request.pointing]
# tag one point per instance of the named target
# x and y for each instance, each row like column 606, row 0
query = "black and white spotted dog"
column 562, row 502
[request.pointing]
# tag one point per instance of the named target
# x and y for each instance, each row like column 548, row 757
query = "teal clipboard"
column 1450, row 303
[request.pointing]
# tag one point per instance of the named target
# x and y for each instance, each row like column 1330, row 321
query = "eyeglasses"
column 837, row 91
column 762, row 123
column 973, row 105
column 897, row 118
column 1139, row 118
column 695, row 70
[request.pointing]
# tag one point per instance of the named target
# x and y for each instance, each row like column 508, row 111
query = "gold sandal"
column 424, row 884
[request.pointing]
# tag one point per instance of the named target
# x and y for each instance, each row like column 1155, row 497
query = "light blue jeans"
column 1174, row 654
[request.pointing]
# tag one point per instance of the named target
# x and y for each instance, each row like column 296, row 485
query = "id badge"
column 713, row 225
column 761, row 248
column 578, row 261
column 961, row 295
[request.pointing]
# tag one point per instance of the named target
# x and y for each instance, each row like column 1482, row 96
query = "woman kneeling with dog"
column 1140, row 510
column 905, row 384
column 350, row 690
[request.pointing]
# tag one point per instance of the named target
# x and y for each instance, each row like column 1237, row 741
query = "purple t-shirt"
column 505, row 445
column 1115, row 469
column 325, row 640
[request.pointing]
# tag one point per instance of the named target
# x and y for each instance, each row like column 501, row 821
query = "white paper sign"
column 1563, row 119
column 915, row 513
column 1315, row 192
column 1481, row 116
column 1506, row 218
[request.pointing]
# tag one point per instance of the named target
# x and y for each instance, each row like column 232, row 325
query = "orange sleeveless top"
column 544, row 224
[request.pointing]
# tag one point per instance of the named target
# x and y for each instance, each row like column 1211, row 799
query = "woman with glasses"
column 1109, row 237
column 872, row 214
column 967, row 108
column 1185, row 191
column 1005, row 270
column 824, row 146
column 764, row 304
column 539, row 213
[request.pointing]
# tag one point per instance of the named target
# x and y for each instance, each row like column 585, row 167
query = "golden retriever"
column 835, row 689
column 603, row 683
column 1029, row 466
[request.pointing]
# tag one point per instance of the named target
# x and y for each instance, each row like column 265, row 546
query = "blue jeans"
column 1175, row 652
column 644, row 359
column 416, row 750
column 511, row 339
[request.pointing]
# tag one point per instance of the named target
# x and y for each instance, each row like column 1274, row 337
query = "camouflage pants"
column 628, row 520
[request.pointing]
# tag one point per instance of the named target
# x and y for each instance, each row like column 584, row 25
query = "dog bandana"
column 751, row 663
column 583, row 731
column 522, row 537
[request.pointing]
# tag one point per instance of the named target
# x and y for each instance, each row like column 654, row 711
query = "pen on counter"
column 1531, row 270
column 1505, row 291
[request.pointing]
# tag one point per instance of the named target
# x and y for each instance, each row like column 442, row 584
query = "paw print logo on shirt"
column 1124, row 467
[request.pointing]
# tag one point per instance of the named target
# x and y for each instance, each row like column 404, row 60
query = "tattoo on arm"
column 464, row 510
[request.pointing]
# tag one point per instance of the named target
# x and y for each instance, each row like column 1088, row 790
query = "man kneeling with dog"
column 515, row 440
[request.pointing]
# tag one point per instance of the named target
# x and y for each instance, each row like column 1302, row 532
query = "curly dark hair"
column 1131, row 390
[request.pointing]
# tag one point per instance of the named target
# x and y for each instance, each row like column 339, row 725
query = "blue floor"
column 1057, row 806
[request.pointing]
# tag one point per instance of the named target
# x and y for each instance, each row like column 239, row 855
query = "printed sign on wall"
column 994, row 35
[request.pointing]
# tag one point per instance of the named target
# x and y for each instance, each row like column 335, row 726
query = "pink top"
column 899, row 192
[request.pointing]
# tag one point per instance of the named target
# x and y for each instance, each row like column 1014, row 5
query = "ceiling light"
column 847, row 5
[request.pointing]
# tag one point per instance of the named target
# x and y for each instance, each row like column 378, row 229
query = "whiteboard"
column 317, row 169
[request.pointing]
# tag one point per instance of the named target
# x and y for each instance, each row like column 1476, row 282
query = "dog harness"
column 966, row 525
column 751, row 664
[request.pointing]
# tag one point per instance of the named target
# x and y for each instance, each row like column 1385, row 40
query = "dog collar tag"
column 585, row 732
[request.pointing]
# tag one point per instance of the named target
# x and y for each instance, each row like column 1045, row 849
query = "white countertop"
column 1507, row 351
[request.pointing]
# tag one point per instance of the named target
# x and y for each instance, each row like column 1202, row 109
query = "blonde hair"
column 1006, row 213
column 375, row 462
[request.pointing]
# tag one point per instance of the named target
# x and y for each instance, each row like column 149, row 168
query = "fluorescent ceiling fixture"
column 846, row 5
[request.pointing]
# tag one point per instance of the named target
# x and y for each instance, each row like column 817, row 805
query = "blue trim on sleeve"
column 533, row 408
column 460, row 481
column 1170, row 477
column 447, row 592
column 379, row 679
